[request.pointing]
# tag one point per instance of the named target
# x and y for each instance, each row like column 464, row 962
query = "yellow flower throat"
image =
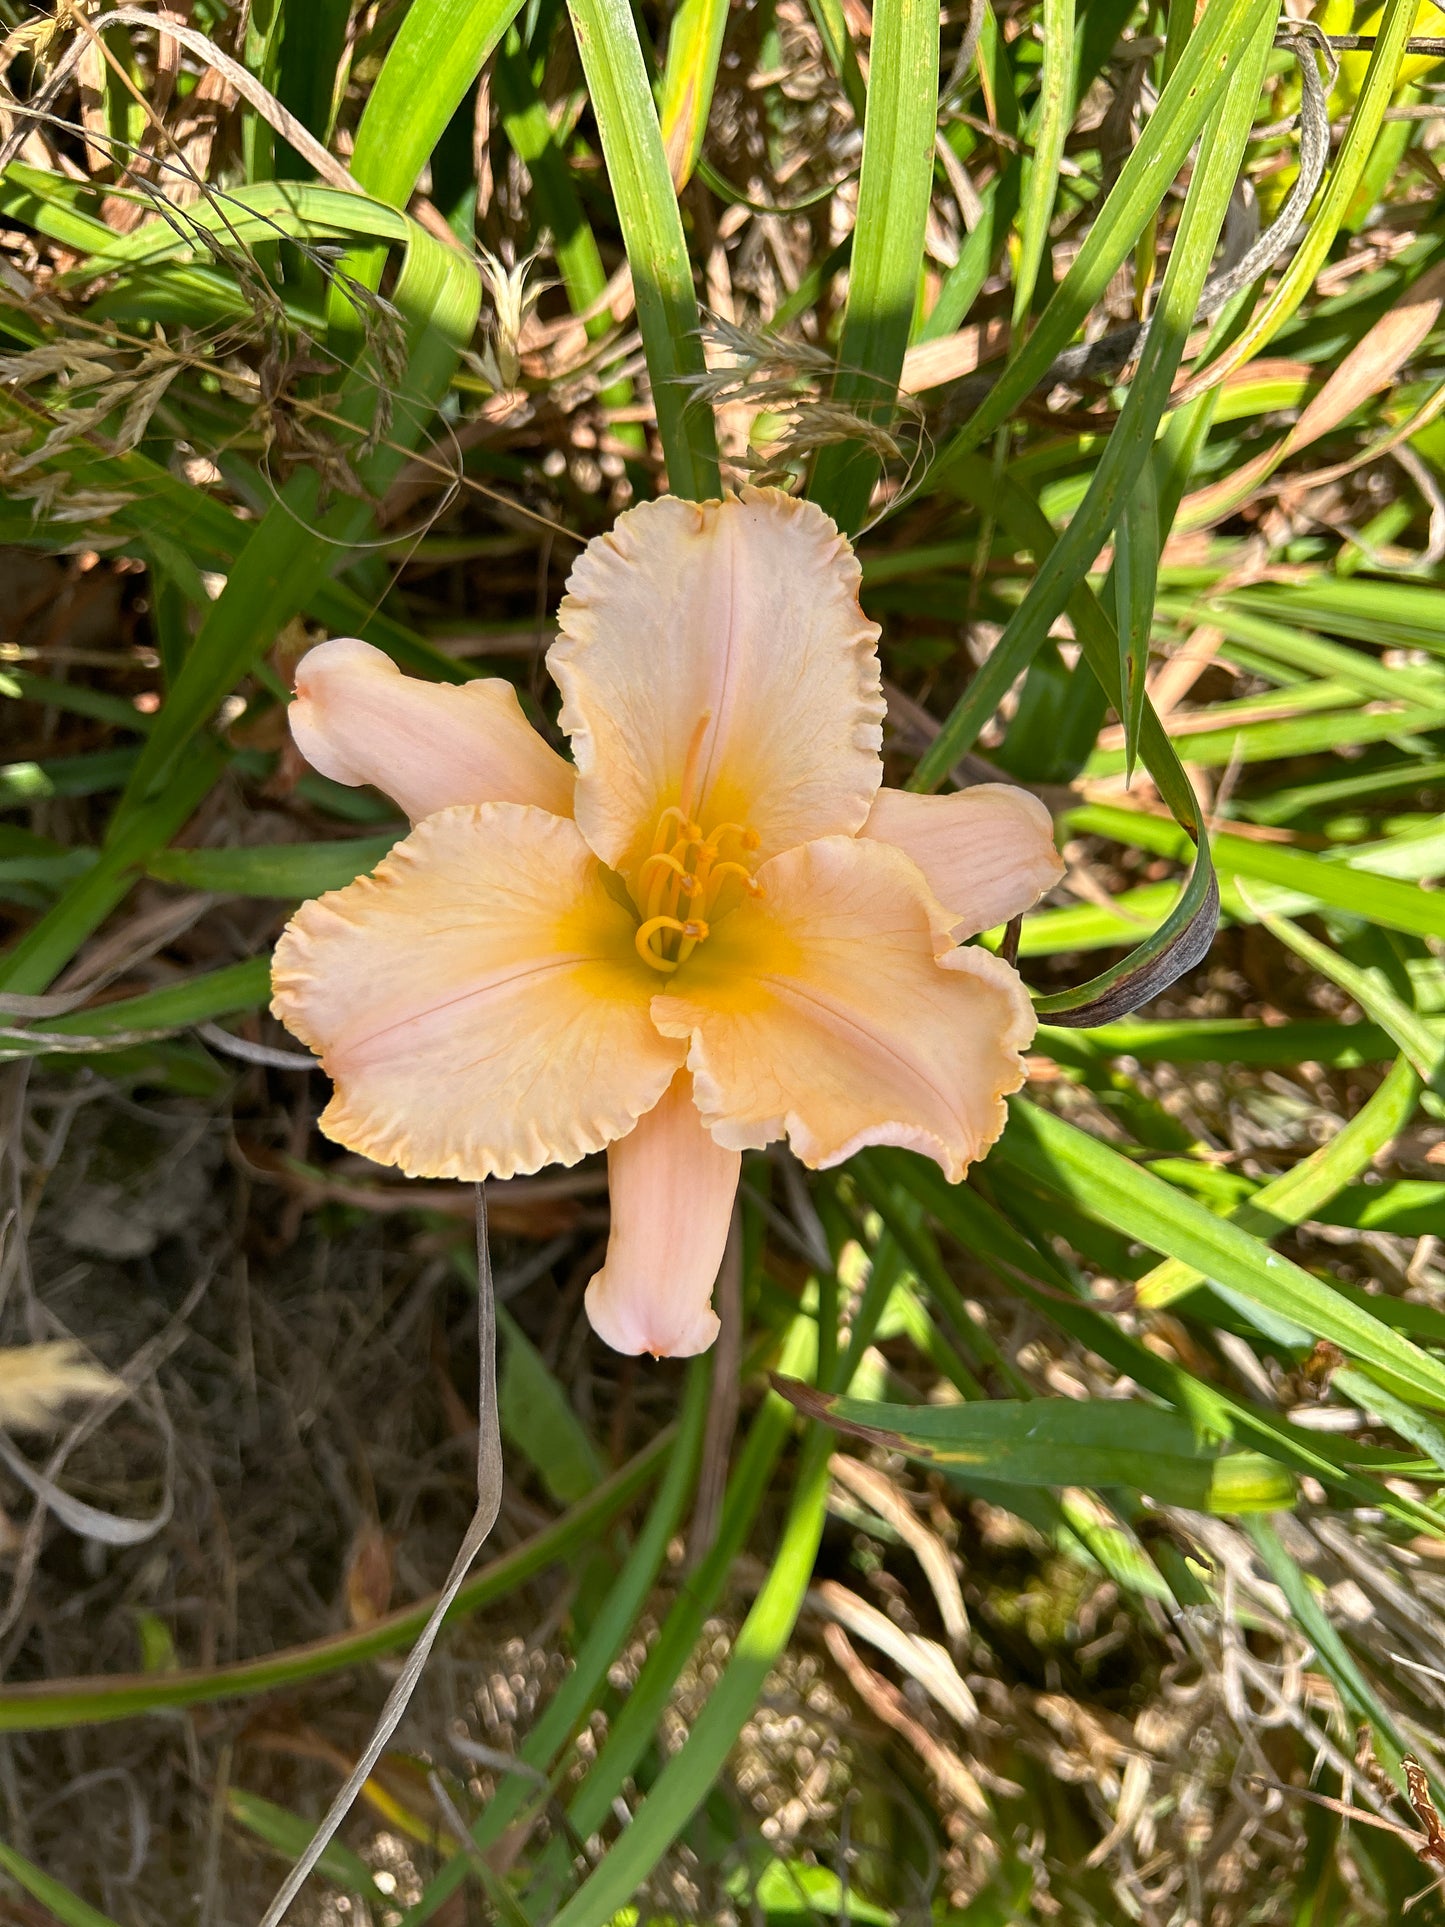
column 679, row 884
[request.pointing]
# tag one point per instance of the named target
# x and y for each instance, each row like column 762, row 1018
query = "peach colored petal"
column 478, row 1000
column 428, row 745
column 988, row 852
column 746, row 611
column 834, row 1010
column 672, row 1200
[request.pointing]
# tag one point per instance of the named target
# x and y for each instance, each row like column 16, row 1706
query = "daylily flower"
column 716, row 930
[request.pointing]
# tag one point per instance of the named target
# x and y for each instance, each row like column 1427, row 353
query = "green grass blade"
column 1347, row 886
column 538, row 1421
column 287, row 870
column 1062, row 1442
column 832, row 24
column 1181, row 924
column 290, row 1835
column 440, row 48
column 295, row 544
column 574, row 1699
column 1129, row 1197
column 893, row 195
column 42, row 953
column 1424, row 1050
column 647, row 210
column 65, row 1906
column 558, row 206
column 689, row 1776
column 981, row 1231
column 1344, row 178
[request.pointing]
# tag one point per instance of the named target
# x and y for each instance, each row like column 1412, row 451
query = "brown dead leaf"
column 370, row 1573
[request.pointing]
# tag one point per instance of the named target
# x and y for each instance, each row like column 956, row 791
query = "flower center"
column 679, row 885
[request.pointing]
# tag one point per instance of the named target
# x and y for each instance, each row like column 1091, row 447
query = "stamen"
column 687, row 871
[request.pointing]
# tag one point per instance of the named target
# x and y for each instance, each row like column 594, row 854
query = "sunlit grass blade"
column 1422, row 1047
column 1026, row 1266
column 440, row 48
column 1052, row 119
column 1346, row 885
column 1310, row 1184
column 1333, row 205
column 694, row 47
